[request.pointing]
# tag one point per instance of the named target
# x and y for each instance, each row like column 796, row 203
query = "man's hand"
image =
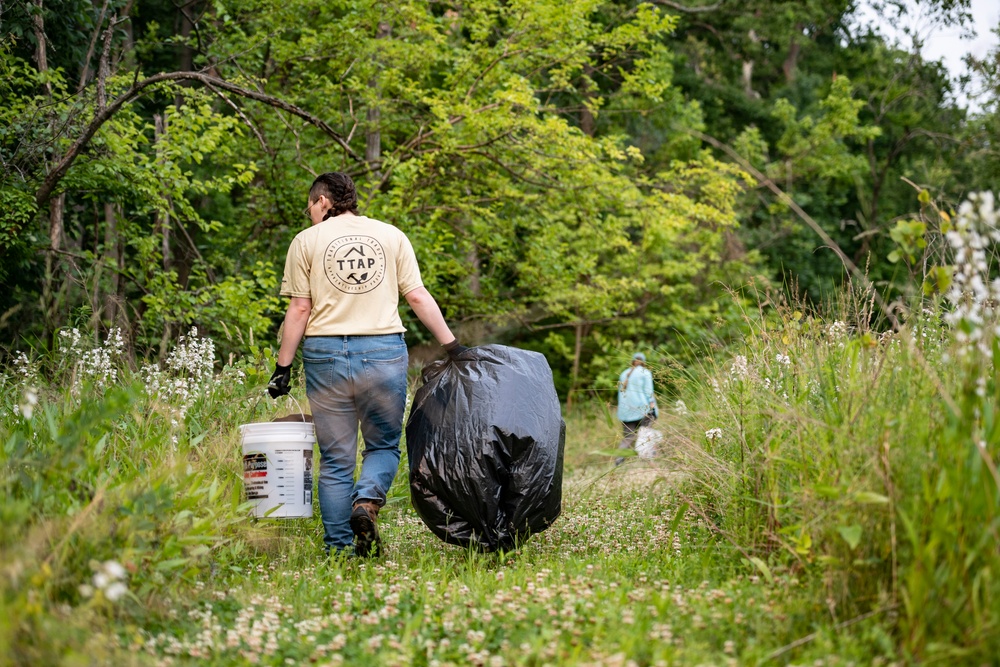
column 280, row 381
column 454, row 349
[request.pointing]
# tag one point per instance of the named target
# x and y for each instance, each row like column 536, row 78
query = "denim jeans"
column 352, row 380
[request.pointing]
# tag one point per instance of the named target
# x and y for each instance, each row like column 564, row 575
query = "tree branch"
column 243, row 117
column 686, row 9
column 805, row 217
column 59, row 171
column 85, row 74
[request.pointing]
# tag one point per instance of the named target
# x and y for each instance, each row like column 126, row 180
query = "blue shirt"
column 635, row 394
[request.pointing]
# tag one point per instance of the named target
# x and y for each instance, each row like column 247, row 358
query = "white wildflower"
column 69, row 343
column 784, row 360
column 974, row 298
column 99, row 364
column 188, row 374
column 114, row 569
column 115, row 591
column 24, row 368
column 110, row 579
column 740, row 369
column 27, row 408
column 680, row 407
column 713, row 434
column 837, row 331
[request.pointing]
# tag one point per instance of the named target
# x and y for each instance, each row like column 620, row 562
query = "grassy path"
column 616, row 581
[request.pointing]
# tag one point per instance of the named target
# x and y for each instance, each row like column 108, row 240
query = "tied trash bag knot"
column 485, row 442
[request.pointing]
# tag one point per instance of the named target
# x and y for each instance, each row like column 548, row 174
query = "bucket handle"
column 298, row 405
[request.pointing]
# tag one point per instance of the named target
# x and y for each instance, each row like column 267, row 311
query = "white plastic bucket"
column 277, row 468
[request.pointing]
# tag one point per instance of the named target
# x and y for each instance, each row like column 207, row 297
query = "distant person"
column 636, row 401
column 344, row 276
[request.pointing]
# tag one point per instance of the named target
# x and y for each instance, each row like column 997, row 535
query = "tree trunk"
column 748, row 78
column 128, row 48
column 788, row 67
column 41, row 58
column 161, row 222
column 185, row 54
column 113, row 257
column 85, row 67
column 586, row 115
column 161, row 226
column 580, row 332
column 373, row 134
column 50, row 308
column 472, row 257
column 748, row 70
column 57, row 204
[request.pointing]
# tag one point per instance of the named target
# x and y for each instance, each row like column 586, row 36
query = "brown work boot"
column 364, row 523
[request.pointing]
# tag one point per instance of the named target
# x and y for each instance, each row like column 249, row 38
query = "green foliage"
column 627, row 561
column 837, row 451
column 909, row 236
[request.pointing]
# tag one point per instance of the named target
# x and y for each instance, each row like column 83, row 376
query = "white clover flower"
column 680, row 407
column 784, row 359
column 713, row 434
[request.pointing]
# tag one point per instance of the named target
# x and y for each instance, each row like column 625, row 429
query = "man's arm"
column 427, row 310
column 296, row 318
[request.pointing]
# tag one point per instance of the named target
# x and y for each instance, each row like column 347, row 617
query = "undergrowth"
column 824, row 494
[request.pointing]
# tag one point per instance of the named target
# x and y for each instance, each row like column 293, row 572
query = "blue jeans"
column 352, row 380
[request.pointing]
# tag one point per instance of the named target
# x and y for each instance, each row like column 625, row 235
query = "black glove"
column 280, row 379
column 454, row 349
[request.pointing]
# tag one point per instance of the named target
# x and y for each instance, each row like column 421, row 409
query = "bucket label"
column 307, row 476
column 255, row 475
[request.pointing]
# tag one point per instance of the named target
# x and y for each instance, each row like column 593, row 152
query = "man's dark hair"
column 339, row 189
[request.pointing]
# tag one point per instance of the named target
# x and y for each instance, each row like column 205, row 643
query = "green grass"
column 838, row 518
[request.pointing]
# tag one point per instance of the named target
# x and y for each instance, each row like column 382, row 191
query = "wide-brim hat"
column 640, row 356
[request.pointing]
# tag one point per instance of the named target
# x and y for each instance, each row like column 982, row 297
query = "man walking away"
column 344, row 276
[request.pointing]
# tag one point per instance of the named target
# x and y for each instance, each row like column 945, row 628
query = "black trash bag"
column 485, row 442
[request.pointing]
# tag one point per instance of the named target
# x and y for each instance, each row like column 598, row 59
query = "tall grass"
column 827, row 493
column 859, row 458
column 135, row 481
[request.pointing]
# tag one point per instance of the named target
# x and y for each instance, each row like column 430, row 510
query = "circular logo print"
column 355, row 264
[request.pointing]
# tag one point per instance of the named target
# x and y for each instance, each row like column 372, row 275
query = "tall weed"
column 865, row 457
column 119, row 487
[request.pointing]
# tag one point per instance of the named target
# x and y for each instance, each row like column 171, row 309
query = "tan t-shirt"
column 354, row 269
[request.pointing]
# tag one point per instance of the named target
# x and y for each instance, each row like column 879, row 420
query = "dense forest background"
column 579, row 178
